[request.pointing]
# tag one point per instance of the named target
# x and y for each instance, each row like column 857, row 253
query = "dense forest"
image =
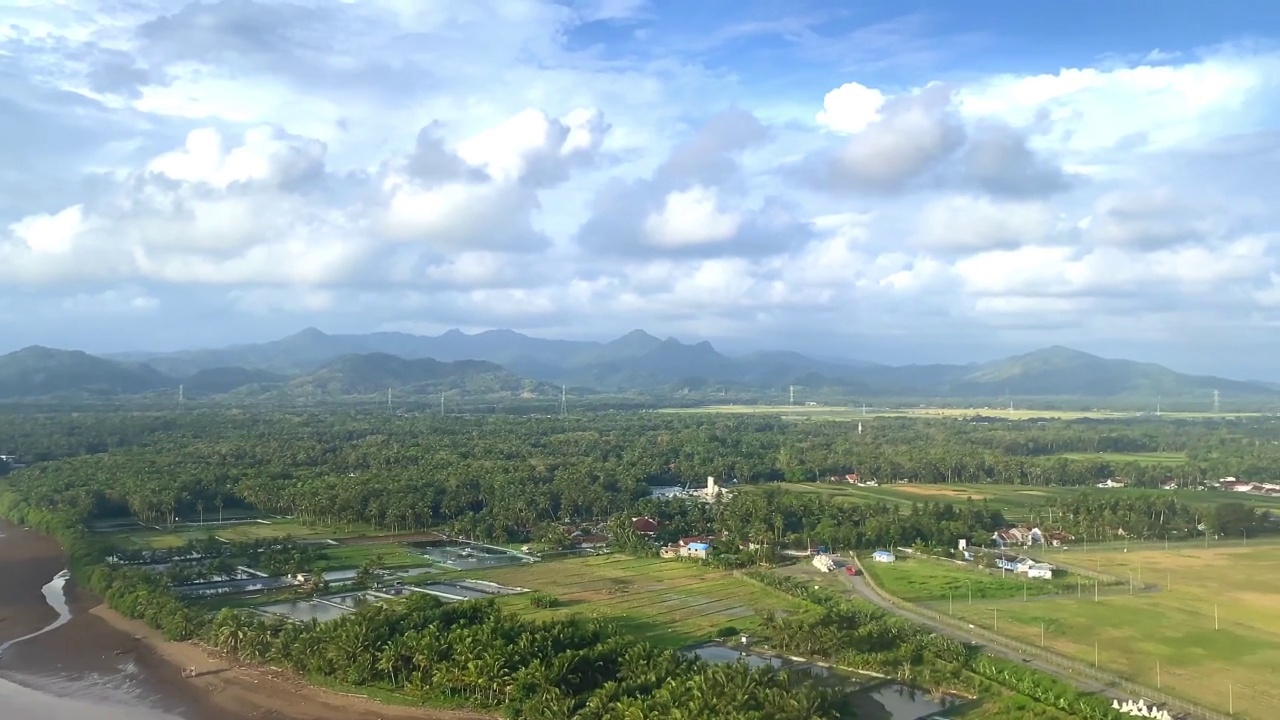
column 497, row 477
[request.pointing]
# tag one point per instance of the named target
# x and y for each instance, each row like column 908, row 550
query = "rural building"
column 669, row 551
column 824, row 563
column 1057, row 538
column 1043, row 571
column 1017, row 536
column 697, row 550
column 644, row 525
column 1111, row 483
column 883, row 556
column 687, row 541
column 1012, row 563
column 590, row 541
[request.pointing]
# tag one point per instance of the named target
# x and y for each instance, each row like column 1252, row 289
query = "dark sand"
column 104, row 658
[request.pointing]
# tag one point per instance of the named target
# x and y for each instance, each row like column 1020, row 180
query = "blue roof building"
column 883, row 556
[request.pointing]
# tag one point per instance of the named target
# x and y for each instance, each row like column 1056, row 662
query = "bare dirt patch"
column 939, row 491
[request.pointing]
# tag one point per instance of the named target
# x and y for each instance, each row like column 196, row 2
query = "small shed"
column 883, row 556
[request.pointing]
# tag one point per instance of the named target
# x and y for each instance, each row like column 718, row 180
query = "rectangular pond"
column 885, row 700
column 230, row 587
column 352, row 600
column 305, row 610
column 469, row 557
column 895, row 701
column 468, row 590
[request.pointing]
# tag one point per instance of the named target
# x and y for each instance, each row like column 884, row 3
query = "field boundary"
column 1071, row 666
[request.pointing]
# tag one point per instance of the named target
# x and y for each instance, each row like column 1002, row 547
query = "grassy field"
column 925, row 579
column 669, row 602
column 1015, row 501
column 823, row 412
column 1152, row 458
column 392, row 554
column 275, row 527
column 1173, row 626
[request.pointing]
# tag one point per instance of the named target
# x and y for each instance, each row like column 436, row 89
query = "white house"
column 1111, row 483
column 883, row 556
column 1043, row 571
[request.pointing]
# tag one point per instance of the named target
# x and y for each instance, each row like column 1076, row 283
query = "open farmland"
column 1015, row 501
column 1171, row 625
column 922, row 580
column 825, row 412
column 669, row 602
column 1148, row 458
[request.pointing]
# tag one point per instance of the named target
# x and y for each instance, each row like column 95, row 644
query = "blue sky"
column 897, row 181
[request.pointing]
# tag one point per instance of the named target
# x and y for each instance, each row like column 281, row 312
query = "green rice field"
column 669, row 602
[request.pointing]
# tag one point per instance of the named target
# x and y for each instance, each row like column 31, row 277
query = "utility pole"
column 1215, row 616
column 995, row 614
column 1157, row 674
column 389, row 410
column 1042, row 634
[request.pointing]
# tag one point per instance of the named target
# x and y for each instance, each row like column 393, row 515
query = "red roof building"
column 644, row 525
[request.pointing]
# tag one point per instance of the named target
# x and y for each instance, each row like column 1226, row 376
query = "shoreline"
column 99, row 648
column 248, row 690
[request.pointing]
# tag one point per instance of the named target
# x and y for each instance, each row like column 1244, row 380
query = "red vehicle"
column 851, row 570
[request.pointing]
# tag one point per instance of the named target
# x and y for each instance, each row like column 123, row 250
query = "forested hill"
column 43, row 372
column 503, row 363
column 639, row 361
column 38, row 371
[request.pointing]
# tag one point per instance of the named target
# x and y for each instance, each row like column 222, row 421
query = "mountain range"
column 504, row 362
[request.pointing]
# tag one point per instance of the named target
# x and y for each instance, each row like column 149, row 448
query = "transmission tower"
column 389, row 410
column 182, row 398
column 791, row 399
column 1217, row 407
column 564, row 406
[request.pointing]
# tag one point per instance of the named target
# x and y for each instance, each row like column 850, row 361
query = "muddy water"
column 51, row 667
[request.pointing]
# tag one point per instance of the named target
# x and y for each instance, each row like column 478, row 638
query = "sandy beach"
column 100, row 656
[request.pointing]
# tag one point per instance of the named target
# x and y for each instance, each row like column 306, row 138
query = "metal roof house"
column 696, row 550
column 883, row 556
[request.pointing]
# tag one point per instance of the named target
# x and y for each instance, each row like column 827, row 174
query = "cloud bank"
column 177, row 175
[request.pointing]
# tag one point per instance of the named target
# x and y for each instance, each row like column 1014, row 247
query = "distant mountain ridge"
column 505, row 362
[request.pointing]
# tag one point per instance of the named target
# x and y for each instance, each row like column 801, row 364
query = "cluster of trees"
column 849, row 631
column 1150, row 516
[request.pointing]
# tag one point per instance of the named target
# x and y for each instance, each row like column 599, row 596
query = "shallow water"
column 897, row 702
column 56, row 597
column 72, row 699
column 52, row 697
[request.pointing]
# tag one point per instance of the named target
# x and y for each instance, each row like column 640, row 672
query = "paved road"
column 863, row 588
